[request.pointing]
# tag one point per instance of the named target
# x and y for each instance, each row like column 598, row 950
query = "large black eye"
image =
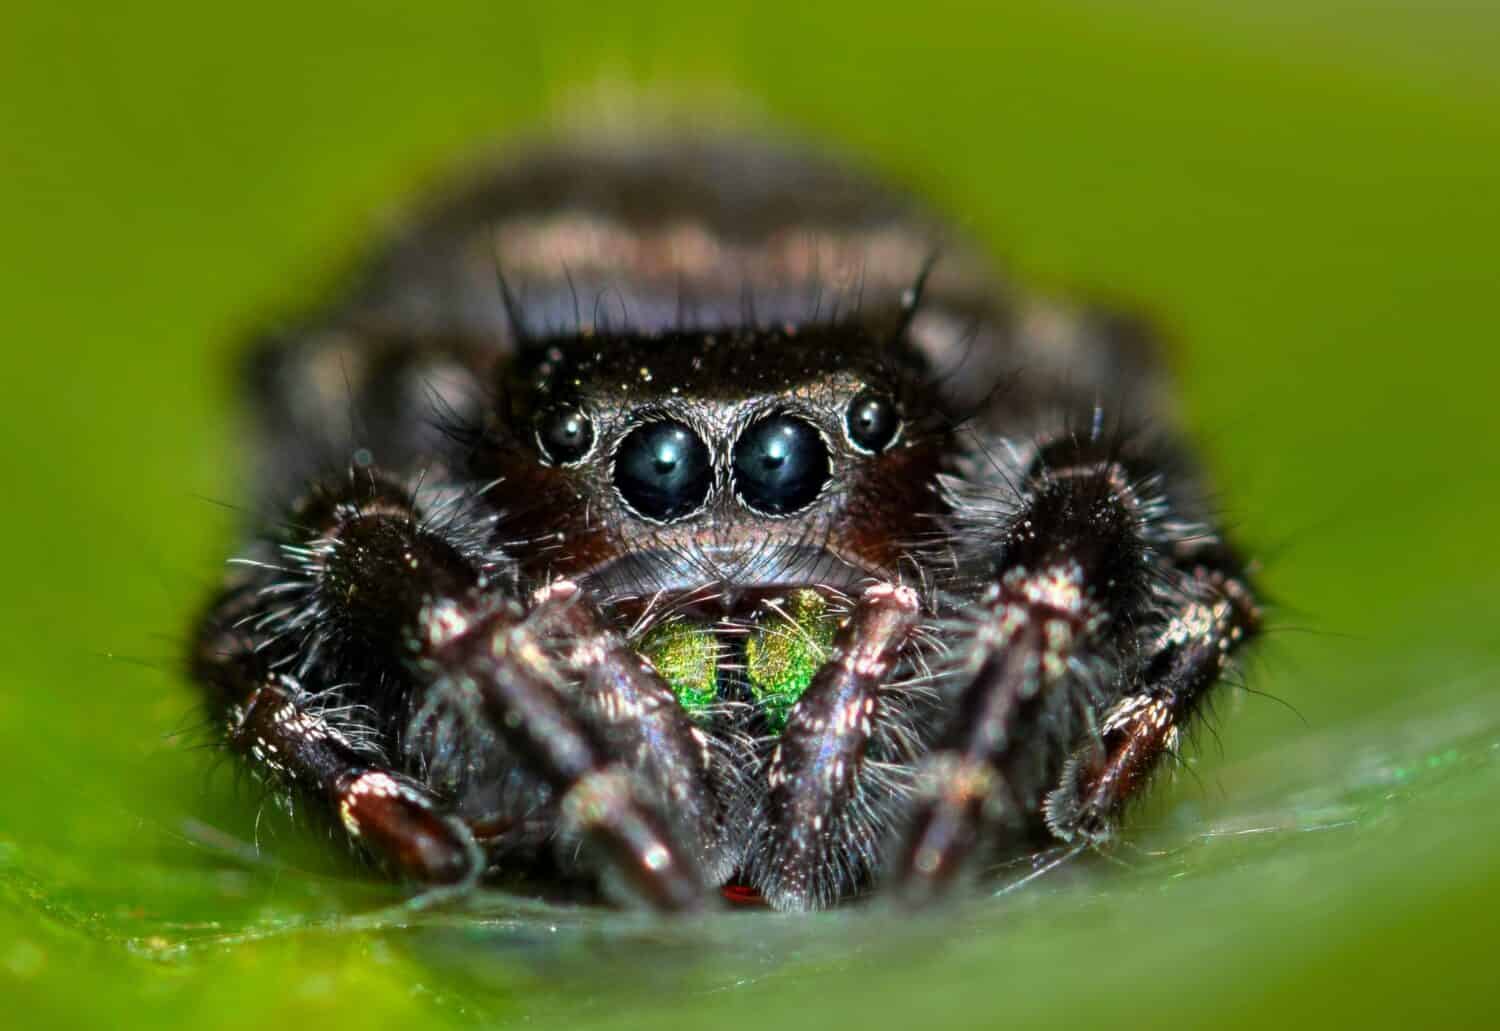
column 662, row 470
column 564, row 435
column 872, row 422
column 780, row 465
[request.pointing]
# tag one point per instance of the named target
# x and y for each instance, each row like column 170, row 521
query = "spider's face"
column 741, row 461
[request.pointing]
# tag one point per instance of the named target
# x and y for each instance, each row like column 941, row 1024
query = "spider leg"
column 636, row 713
column 809, row 823
column 274, row 723
column 1218, row 615
column 388, row 594
column 1036, row 660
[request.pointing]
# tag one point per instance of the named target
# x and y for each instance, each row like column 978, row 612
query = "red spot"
column 742, row 895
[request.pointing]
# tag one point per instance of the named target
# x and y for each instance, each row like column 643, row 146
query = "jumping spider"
column 692, row 518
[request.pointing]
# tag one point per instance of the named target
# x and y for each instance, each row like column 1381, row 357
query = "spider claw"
column 401, row 822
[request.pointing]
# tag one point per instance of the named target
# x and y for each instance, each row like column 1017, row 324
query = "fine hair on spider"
column 693, row 519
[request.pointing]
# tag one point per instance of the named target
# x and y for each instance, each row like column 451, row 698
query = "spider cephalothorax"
column 699, row 504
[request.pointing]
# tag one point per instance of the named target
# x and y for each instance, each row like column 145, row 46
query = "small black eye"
column 780, row 465
column 872, row 422
column 564, row 435
column 663, row 470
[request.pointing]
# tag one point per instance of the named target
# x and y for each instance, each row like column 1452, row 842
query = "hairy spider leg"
column 634, row 709
column 1046, row 664
column 813, row 825
column 1216, row 616
column 281, row 729
column 387, row 587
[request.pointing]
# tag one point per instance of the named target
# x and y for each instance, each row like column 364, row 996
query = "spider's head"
column 735, row 460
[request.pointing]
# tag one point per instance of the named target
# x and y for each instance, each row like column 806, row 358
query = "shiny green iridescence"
column 782, row 656
column 790, row 641
column 687, row 656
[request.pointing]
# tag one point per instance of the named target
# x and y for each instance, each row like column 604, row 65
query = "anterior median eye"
column 564, row 435
column 663, row 470
column 780, row 465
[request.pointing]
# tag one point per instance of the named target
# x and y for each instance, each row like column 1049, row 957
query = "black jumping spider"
column 696, row 519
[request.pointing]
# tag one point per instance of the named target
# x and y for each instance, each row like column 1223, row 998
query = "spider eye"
column 780, row 465
column 564, row 435
column 663, row 470
column 872, row 422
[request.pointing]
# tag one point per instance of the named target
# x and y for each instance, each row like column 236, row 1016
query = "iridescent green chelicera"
column 687, row 656
column 782, row 656
column 792, row 639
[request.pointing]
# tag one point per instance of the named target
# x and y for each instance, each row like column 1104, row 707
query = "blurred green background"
column 1306, row 194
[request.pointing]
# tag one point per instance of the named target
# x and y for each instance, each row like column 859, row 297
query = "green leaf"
column 1303, row 194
